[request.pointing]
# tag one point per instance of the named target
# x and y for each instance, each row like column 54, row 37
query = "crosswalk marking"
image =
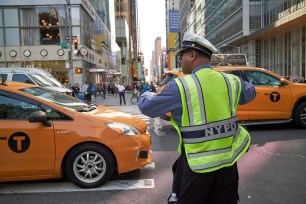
column 70, row 187
column 133, row 110
column 157, row 123
column 55, row 187
column 151, row 165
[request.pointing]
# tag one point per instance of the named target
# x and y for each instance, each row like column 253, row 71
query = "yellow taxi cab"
column 46, row 134
column 277, row 100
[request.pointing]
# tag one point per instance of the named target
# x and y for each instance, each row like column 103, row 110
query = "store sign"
column 292, row 9
column 228, row 60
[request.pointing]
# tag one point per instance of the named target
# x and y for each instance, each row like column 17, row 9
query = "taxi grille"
column 143, row 154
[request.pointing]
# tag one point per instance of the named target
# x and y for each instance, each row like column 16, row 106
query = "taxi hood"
column 109, row 114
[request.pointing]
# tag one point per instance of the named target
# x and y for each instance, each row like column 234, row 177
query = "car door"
column 272, row 101
column 26, row 149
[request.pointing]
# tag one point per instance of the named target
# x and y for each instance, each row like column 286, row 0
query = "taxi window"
column 234, row 72
column 259, row 78
column 14, row 109
column 53, row 114
column 55, row 97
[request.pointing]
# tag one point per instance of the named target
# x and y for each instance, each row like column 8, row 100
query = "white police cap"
column 197, row 42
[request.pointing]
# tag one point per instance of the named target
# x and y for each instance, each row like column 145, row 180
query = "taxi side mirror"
column 39, row 116
column 283, row 83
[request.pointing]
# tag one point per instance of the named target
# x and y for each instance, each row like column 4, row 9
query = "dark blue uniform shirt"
column 169, row 100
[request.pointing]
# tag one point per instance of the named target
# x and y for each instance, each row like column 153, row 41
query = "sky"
column 151, row 16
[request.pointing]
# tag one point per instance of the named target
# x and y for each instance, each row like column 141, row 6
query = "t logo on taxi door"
column 19, row 142
column 274, row 96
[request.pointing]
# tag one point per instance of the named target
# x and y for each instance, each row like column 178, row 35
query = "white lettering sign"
column 292, row 9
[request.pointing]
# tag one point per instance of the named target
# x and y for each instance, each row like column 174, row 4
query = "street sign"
column 62, row 44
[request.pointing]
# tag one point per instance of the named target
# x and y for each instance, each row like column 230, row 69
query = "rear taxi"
column 46, row 134
column 277, row 100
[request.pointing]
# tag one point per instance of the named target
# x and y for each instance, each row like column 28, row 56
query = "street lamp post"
column 70, row 69
column 238, row 48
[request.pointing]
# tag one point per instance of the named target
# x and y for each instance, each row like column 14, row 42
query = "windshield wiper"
column 88, row 108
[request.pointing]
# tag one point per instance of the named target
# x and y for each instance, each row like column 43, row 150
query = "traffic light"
column 75, row 43
column 78, row 70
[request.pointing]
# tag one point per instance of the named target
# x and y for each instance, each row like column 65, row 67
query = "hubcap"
column 89, row 167
column 303, row 115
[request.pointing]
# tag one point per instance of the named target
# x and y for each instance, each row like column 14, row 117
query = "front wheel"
column 89, row 166
column 300, row 115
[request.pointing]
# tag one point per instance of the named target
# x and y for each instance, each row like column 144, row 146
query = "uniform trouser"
column 217, row 187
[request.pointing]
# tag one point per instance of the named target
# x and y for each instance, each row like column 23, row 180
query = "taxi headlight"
column 124, row 129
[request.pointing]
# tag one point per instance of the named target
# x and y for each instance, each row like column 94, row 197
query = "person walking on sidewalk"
column 103, row 91
column 121, row 91
column 152, row 87
column 135, row 93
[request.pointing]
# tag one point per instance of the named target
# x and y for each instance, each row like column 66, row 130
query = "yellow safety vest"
column 209, row 131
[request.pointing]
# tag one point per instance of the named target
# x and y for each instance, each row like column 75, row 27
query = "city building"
column 172, row 29
column 156, row 68
column 271, row 33
column 127, row 31
column 67, row 38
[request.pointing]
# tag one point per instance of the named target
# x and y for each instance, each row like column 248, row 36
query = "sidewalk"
column 113, row 100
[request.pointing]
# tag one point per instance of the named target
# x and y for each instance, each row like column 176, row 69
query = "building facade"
column 156, row 68
column 172, row 29
column 126, row 11
column 67, row 38
column 271, row 33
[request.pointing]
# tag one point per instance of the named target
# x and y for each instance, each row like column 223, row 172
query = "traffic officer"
column 203, row 108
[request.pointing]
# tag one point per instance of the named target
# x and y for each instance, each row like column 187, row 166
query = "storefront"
column 37, row 34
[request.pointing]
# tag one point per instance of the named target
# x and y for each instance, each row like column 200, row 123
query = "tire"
column 300, row 115
column 89, row 165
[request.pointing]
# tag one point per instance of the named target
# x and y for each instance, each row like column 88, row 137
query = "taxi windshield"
column 56, row 97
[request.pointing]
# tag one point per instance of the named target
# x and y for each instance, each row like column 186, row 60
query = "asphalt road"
column 273, row 171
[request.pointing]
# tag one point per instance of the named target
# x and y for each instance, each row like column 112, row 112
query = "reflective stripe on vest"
column 233, row 104
column 200, row 101
column 209, row 130
column 238, row 152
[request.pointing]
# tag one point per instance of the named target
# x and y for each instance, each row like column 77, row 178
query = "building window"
column 49, row 25
column 12, row 36
column 12, row 27
column 1, row 23
column 11, row 17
